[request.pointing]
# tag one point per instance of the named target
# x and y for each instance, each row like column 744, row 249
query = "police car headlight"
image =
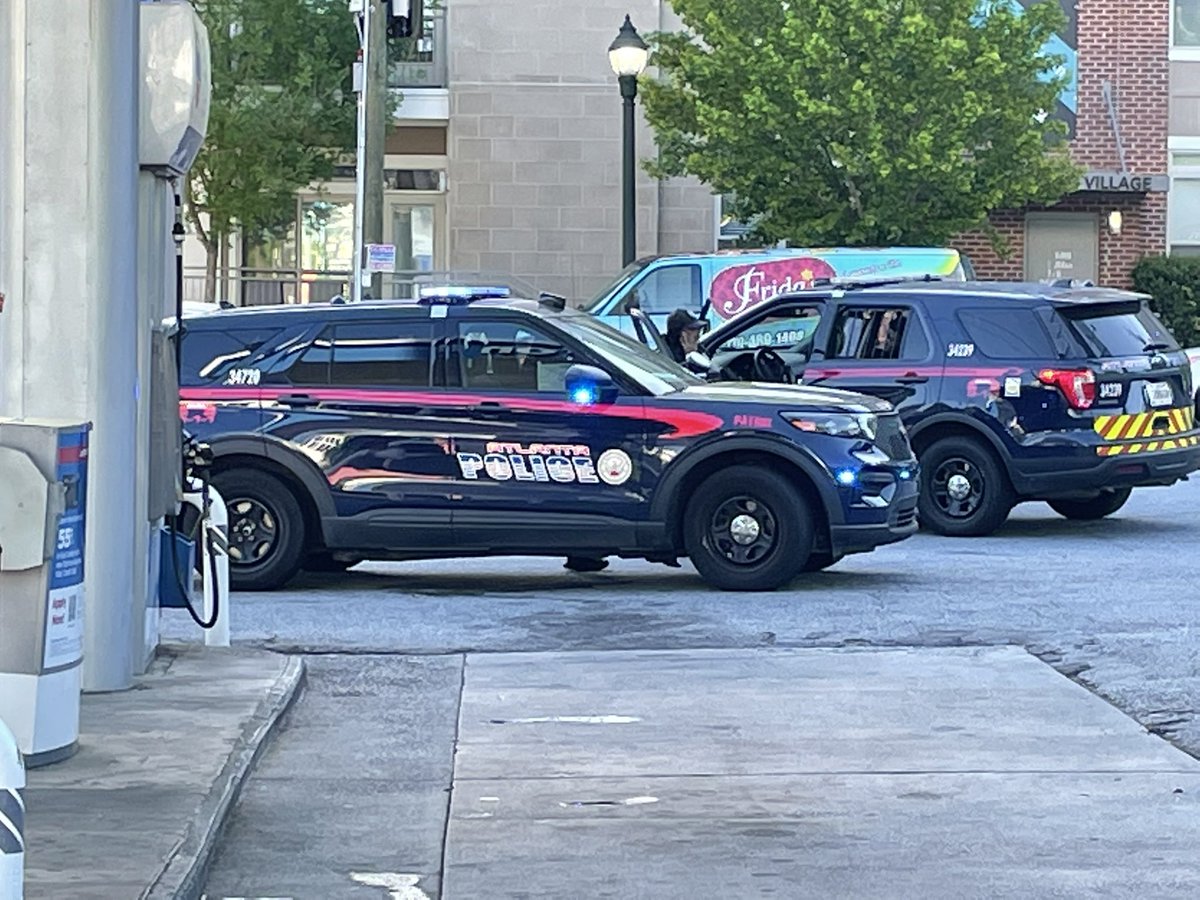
column 862, row 426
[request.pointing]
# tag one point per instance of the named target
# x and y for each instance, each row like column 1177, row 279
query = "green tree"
column 283, row 110
column 862, row 122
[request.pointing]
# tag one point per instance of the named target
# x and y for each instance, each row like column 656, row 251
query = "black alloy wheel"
column 748, row 528
column 965, row 491
column 958, row 488
column 743, row 530
column 253, row 531
column 266, row 529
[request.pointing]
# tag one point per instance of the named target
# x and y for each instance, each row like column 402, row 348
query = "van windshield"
column 614, row 286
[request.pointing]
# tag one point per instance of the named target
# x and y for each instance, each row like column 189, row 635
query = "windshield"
column 656, row 372
column 613, row 286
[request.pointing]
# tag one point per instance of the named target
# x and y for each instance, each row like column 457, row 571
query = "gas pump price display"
column 64, row 602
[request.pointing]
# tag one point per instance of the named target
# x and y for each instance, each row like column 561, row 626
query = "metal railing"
column 273, row 287
column 422, row 63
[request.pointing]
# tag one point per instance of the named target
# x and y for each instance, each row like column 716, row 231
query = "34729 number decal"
column 959, row 351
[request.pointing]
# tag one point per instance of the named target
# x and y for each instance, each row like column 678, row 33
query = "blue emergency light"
column 584, row 394
column 846, row 477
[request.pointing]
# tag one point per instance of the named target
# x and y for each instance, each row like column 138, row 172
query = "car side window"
column 510, row 356
column 311, row 368
column 784, row 328
column 392, row 353
column 878, row 332
column 1007, row 333
column 224, row 357
column 667, row 289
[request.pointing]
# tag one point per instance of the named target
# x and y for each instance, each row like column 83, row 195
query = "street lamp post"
column 628, row 55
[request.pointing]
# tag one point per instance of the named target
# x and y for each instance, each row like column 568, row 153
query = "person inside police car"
column 683, row 334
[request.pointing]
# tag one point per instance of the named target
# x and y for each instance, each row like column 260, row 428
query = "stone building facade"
column 534, row 153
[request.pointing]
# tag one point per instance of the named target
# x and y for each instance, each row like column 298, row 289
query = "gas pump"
column 43, row 499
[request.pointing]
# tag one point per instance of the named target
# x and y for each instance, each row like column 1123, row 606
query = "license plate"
column 1159, row 394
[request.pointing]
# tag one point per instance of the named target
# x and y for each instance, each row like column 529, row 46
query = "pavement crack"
column 462, row 685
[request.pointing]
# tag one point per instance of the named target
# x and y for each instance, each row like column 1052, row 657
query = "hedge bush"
column 1174, row 284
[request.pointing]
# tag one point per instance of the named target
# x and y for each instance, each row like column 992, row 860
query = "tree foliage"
column 862, row 122
column 283, row 109
column 1173, row 283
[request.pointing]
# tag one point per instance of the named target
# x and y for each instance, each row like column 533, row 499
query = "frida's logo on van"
column 741, row 287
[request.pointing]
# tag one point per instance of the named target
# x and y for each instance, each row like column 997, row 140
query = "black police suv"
column 1009, row 392
column 463, row 424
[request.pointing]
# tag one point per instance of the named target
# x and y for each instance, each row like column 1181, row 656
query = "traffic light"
column 406, row 18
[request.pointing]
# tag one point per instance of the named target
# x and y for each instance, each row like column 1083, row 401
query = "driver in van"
column 683, row 334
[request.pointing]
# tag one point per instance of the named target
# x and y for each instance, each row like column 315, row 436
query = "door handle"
column 488, row 408
column 299, row 400
column 912, row 378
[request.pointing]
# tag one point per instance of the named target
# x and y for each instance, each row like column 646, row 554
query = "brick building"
column 1120, row 108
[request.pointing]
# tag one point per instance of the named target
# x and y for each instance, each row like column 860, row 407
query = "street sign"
column 381, row 257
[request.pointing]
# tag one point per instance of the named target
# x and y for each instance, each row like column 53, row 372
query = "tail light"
column 1077, row 385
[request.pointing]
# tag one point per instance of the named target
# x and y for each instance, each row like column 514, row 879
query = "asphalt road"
column 1113, row 604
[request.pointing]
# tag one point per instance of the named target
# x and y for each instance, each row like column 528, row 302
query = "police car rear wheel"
column 266, row 529
column 964, row 490
column 1103, row 504
column 748, row 529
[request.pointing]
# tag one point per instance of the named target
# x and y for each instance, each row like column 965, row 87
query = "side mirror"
column 589, row 386
column 698, row 362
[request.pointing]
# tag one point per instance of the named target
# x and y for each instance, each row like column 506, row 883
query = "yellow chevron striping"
column 1137, row 427
column 1168, row 445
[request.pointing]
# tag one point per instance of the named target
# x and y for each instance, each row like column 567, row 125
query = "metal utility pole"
column 364, row 14
column 376, row 73
column 628, row 172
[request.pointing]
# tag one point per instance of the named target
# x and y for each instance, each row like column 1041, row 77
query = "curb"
column 183, row 873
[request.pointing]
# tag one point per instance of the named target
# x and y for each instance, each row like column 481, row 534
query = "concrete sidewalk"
column 136, row 811
column 930, row 773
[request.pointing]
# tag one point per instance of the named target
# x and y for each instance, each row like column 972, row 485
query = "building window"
column 1185, row 27
column 1183, row 210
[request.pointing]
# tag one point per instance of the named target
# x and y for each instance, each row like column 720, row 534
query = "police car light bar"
column 449, row 293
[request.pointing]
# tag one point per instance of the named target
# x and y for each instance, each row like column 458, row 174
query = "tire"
column 265, row 522
column 768, row 510
column 990, row 497
column 323, row 562
column 1103, row 504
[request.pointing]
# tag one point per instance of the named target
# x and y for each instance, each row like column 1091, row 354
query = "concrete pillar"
column 68, row 264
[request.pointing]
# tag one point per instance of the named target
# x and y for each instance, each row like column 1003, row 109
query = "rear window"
column 1007, row 333
column 223, row 357
column 1120, row 330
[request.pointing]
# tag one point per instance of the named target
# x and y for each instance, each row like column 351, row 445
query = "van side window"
column 667, row 289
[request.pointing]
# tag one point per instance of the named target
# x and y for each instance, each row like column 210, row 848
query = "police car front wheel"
column 748, row 529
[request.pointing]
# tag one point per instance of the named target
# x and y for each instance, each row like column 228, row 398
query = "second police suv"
column 469, row 423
